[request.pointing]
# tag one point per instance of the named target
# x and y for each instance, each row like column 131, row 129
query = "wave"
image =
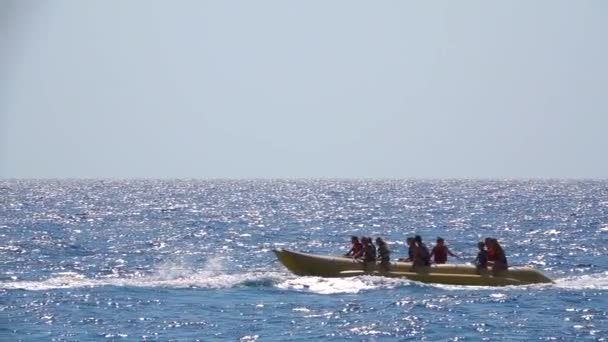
column 213, row 280
column 169, row 274
column 358, row 284
column 207, row 280
column 342, row 285
column 200, row 280
column 597, row 281
column 213, row 276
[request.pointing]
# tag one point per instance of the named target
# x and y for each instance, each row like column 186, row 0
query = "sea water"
column 192, row 260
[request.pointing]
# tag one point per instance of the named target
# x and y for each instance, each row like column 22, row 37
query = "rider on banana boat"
column 490, row 249
column 440, row 252
column 496, row 256
column 481, row 262
column 422, row 256
column 411, row 244
column 356, row 247
column 369, row 250
column 383, row 254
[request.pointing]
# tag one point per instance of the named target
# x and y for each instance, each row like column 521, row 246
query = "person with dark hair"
column 383, row 254
column 500, row 259
column 411, row 251
column 481, row 262
column 355, row 248
column 422, row 256
column 371, row 242
column 369, row 250
column 359, row 255
column 441, row 252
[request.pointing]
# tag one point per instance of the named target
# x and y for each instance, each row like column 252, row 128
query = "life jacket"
column 384, row 253
column 500, row 257
column 357, row 247
column 410, row 252
column 369, row 254
column 492, row 254
column 440, row 254
column 424, row 255
column 482, row 259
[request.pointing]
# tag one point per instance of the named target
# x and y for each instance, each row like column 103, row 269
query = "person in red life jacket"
column 440, row 252
column 356, row 249
column 490, row 249
column 500, row 259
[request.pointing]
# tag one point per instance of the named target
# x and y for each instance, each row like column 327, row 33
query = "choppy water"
column 187, row 260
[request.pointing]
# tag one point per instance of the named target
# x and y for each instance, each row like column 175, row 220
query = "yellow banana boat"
column 304, row 264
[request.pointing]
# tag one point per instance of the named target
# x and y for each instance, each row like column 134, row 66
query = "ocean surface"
column 192, row 260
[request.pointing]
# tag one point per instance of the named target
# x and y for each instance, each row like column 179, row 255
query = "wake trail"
column 596, row 281
column 168, row 275
column 214, row 276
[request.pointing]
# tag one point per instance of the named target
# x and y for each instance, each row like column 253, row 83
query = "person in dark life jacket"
column 384, row 254
column 371, row 242
column 369, row 250
column 411, row 250
column 481, row 262
column 356, row 247
column 422, row 256
column 440, row 252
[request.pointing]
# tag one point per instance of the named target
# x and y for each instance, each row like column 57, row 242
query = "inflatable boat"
column 304, row 264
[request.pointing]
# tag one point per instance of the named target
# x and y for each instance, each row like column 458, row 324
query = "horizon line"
column 303, row 178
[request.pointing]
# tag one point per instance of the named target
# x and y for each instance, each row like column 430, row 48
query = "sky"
column 303, row 89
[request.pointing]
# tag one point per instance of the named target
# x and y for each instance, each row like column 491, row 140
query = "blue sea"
column 186, row 260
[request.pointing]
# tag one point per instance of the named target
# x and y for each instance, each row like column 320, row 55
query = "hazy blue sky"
column 344, row 89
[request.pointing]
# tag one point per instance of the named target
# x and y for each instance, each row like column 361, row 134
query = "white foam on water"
column 597, row 281
column 213, row 275
column 321, row 285
column 169, row 275
column 198, row 280
column 180, row 278
column 462, row 287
